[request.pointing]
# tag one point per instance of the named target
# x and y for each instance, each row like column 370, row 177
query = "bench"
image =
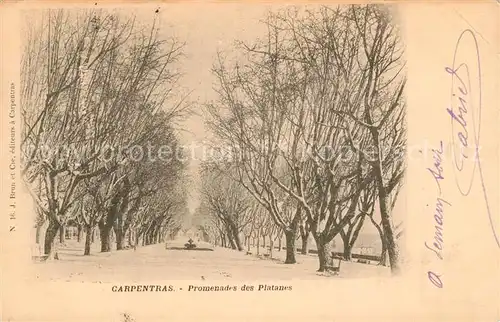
column 372, row 258
column 39, row 258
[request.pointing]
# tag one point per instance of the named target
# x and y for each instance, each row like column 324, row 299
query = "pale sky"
column 205, row 34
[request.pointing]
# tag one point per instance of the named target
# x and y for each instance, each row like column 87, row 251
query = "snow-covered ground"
column 155, row 262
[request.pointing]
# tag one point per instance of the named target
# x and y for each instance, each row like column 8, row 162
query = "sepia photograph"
column 250, row 161
column 153, row 150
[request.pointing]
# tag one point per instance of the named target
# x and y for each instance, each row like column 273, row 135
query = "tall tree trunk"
column 163, row 236
column 231, row 241
column 237, row 239
column 258, row 245
column 349, row 238
column 264, row 241
column 150, row 237
column 346, row 238
column 290, row 236
column 324, row 252
column 104, row 234
column 130, row 238
column 50, row 236
column 79, row 233
column 119, row 237
column 118, row 205
column 391, row 245
column 305, row 242
column 62, row 231
column 156, row 237
column 383, row 254
column 38, row 231
column 89, row 233
column 145, row 237
column 271, row 246
column 385, row 210
column 248, row 243
column 279, row 243
column 347, row 250
column 304, row 234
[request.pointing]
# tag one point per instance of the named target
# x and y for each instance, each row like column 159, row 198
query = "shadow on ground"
column 197, row 248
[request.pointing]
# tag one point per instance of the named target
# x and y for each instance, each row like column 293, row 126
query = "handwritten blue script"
column 437, row 245
column 465, row 116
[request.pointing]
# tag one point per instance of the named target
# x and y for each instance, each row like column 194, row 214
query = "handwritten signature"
column 437, row 246
column 465, row 115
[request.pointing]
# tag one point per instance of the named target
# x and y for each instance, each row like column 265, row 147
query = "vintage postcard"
column 250, row 161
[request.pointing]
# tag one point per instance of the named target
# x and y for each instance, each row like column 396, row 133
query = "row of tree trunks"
column 290, row 237
column 230, row 237
column 155, row 237
column 251, row 242
column 62, row 234
column 324, row 249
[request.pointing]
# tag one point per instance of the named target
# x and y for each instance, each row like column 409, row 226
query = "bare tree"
column 90, row 215
column 379, row 108
column 292, row 106
column 229, row 202
column 87, row 88
column 351, row 232
column 243, row 120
